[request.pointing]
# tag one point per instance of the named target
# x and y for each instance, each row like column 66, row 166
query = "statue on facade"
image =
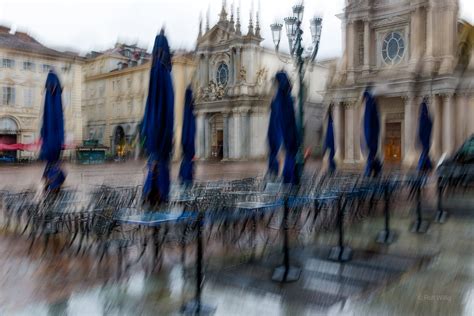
column 243, row 74
column 261, row 75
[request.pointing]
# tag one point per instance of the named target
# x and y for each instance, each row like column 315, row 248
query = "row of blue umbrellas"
column 371, row 135
column 158, row 120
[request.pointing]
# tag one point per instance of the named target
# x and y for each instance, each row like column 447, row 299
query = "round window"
column 393, row 48
column 222, row 74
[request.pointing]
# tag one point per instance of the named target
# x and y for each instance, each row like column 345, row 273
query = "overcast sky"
column 85, row 25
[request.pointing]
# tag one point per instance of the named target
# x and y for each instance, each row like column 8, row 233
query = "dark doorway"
column 119, row 142
column 218, row 145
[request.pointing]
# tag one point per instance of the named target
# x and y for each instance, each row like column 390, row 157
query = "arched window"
column 8, row 126
column 222, row 74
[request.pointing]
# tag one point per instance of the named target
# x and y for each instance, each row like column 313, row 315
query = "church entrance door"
column 393, row 143
column 217, row 137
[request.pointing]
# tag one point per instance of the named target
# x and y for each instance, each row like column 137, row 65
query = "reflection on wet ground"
column 431, row 274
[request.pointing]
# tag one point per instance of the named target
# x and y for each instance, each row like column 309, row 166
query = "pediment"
column 217, row 35
column 355, row 5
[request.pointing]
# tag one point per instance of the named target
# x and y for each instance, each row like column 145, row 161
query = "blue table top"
column 255, row 205
column 156, row 218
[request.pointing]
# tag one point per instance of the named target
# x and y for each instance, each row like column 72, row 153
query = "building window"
column 28, row 65
column 8, row 63
column 393, row 48
column 28, row 97
column 47, row 68
column 222, row 74
column 8, row 95
column 66, row 68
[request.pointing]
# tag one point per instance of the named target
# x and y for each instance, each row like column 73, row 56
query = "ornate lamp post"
column 295, row 36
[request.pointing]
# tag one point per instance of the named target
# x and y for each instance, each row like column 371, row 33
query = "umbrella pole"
column 340, row 253
column 386, row 236
column 420, row 226
column 440, row 213
column 286, row 272
column 195, row 307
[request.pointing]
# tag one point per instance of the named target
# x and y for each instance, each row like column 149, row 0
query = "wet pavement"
column 430, row 274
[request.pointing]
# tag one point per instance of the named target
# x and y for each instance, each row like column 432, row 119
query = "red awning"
column 29, row 147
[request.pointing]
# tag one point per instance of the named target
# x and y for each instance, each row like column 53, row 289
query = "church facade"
column 234, row 78
column 405, row 50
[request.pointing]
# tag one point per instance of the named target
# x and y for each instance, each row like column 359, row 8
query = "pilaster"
column 410, row 129
column 367, row 44
column 339, row 131
column 349, row 132
column 448, row 124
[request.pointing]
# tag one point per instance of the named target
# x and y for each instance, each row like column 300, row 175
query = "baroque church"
column 406, row 50
column 234, row 78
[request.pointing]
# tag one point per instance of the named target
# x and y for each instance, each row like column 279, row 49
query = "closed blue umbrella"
column 372, row 133
column 284, row 102
column 52, row 133
column 188, row 138
column 329, row 143
column 157, row 123
column 424, row 133
column 274, row 140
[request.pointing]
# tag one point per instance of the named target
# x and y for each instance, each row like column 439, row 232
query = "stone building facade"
column 115, row 91
column 234, row 84
column 24, row 65
column 406, row 49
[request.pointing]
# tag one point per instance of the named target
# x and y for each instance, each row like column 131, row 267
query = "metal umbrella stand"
column 286, row 272
column 386, row 236
column 340, row 252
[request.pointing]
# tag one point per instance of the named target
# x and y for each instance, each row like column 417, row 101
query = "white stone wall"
column 30, row 84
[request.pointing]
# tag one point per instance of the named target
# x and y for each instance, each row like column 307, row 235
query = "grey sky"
column 85, row 25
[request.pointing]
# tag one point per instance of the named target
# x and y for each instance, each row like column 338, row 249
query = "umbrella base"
column 441, row 217
column 386, row 237
column 340, row 254
column 292, row 275
column 195, row 308
column 420, row 226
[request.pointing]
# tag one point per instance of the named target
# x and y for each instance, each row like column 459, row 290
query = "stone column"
column 225, row 118
column 448, row 124
column 245, row 132
column 237, row 135
column 339, row 131
column 349, row 132
column 200, row 135
column 207, row 138
column 367, row 44
column 358, row 115
column 462, row 119
column 470, row 114
column 409, row 135
column 436, row 137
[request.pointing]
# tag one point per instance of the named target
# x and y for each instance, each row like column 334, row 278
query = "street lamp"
column 295, row 36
